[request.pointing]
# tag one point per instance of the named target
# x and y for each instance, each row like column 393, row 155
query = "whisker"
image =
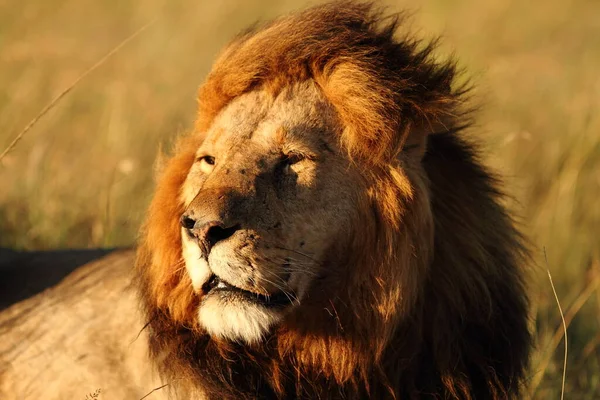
column 180, row 265
column 291, row 297
column 262, row 288
column 299, row 253
column 274, row 283
column 292, row 267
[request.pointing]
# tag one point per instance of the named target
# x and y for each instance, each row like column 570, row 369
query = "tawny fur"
column 427, row 300
column 83, row 335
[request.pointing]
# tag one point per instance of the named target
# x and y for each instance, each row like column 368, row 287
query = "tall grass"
column 82, row 176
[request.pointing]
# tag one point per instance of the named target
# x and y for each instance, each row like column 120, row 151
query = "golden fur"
column 420, row 295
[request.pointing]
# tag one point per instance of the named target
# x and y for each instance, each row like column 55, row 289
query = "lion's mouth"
column 218, row 286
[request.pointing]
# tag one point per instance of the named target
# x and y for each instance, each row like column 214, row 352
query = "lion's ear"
column 415, row 145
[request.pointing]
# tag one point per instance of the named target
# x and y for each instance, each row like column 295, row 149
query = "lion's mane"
column 459, row 329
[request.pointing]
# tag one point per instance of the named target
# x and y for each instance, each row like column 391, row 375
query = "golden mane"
column 380, row 86
column 439, row 308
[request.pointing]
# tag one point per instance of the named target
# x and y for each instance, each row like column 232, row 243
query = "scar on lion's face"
column 253, row 239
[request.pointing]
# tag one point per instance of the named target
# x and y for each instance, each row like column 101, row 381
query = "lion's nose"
column 207, row 233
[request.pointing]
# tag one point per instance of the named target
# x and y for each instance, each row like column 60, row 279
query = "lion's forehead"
column 263, row 122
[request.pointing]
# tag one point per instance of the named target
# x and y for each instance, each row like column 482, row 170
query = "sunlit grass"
column 82, row 176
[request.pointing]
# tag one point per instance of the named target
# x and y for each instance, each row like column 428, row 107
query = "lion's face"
column 270, row 196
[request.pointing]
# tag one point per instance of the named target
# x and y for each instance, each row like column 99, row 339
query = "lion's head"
column 271, row 206
column 324, row 230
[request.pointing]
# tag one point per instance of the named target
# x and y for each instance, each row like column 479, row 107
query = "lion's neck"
column 339, row 350
column 316, row 365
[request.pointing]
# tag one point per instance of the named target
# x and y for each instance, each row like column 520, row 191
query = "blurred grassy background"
column 83, row 176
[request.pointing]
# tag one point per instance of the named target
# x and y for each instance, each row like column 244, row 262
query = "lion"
column 326, row 230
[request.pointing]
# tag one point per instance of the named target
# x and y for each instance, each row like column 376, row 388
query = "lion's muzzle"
column 211, row 217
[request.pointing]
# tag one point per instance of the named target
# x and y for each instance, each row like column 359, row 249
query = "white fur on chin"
column 236, row 320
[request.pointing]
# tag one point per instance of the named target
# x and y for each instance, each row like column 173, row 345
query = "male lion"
column 326, row 231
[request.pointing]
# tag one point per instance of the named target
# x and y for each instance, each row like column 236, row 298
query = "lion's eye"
column 206, row 163
column 210, row 160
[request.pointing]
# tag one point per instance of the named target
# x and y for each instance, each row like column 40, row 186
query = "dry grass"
column 82, row 176
column 93, row 396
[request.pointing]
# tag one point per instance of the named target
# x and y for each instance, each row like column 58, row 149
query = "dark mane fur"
column 463, row 332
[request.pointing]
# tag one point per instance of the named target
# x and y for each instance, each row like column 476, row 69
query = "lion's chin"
column 231, row 313
column 232, row 316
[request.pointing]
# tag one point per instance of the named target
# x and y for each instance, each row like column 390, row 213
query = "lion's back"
column 77, row 337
